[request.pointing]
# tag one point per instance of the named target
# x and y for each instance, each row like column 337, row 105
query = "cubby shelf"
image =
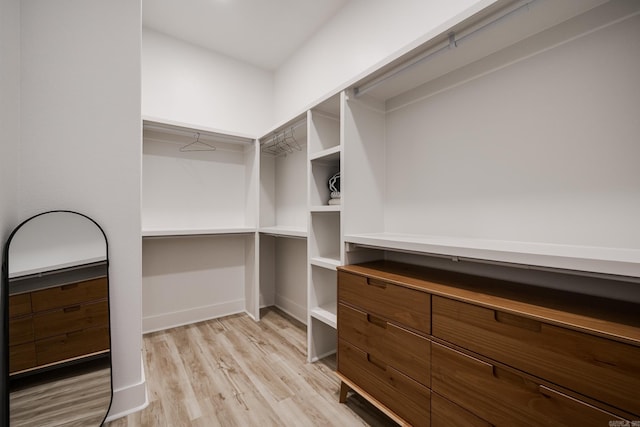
column 326, row 314
column 325, row 208
column 329, row 155
column 326, row 262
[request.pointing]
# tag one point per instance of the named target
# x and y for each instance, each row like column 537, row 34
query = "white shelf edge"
column 326, row 314
column 194, row 126
column 327, row 154
column 600, row 260
column 325, row 208
column 169, row 232
column 325, row 262
column 286, row 231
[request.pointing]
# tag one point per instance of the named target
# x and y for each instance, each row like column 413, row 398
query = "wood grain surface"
column 236, row 372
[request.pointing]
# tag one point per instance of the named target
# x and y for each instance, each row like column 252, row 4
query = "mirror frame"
column 4, row 330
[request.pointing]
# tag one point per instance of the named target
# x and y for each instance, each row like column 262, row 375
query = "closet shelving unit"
column 482, row 144
column 283, row 219
column 325, row 247
column 199, row 221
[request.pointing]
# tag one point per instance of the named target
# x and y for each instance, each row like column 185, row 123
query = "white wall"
column 9, row 114
column 81, row 146
column 185, row 83
column 363, row 34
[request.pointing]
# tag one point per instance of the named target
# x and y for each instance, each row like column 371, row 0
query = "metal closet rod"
column 296, row 125
column 451, row 43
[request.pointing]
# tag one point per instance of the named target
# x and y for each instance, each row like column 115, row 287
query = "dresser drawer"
column 406, row 306
column 603, row 369
column 74, row 344
column 20, row 330
column 445, row 413
column 70, row 319
column 22, row 356
column 506, row 396
column 397, row 347
column 19, row 305
column 406, row 397
column 72, row 294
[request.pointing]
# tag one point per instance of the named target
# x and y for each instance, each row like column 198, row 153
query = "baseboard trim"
column 185, row 317
column 293, row 309
column 130, row 399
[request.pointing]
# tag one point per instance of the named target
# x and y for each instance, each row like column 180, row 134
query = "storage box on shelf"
column 485, row 351
column 283, row 219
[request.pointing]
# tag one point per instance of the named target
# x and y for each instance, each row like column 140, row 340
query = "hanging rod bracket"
column 452, row 40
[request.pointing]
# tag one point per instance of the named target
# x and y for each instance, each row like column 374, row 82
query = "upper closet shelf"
column 175, row 129
column 599, row 260
column 176, row 232
column 285, row 231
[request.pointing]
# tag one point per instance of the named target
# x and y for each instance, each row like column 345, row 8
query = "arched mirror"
column 56, row 297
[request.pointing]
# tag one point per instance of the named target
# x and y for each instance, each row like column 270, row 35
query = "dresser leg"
column 344, row 389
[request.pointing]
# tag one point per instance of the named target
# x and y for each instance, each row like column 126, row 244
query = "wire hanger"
column 197, row 145
column 282, row 143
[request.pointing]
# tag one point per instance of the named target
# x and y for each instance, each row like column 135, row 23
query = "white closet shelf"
column 286, row 231
column 329, row 155
column 330, row 262
column 325, row 208
column 326, row 314
column 169, row 232
column 602, row 260
column 177, row 128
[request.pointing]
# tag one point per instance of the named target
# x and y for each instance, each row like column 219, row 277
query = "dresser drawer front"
column 403, row 305
column 605, row 370
column 71, row 319
column 20, row 330
column 445, row 413
column 74, row 344
column 19, row 305
column 505, row 396
column 407, row 398
column 72, row 294
column 21, row 357
column 397, row 347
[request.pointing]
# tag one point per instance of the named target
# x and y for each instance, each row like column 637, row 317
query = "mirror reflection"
column 59, row 340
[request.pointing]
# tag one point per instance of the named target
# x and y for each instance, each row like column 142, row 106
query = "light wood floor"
column 75, row 396
column 237, row 372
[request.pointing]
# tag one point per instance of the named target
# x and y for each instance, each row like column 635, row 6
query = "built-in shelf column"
column 325, row 251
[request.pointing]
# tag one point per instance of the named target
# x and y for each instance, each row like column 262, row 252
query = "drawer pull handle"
column 377, row 283
column 376, row 321
column 553, row 394
column 517, row 321
column 375, row 362
column 68, row 287
column 71, row 309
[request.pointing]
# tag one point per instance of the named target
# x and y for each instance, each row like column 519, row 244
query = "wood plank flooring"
column 236, row 372
column 74, row 396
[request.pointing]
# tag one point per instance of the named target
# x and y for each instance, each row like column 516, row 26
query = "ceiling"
column 260, row 32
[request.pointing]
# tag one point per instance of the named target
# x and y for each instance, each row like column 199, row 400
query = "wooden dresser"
column 430, row 347
column 58, row 324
